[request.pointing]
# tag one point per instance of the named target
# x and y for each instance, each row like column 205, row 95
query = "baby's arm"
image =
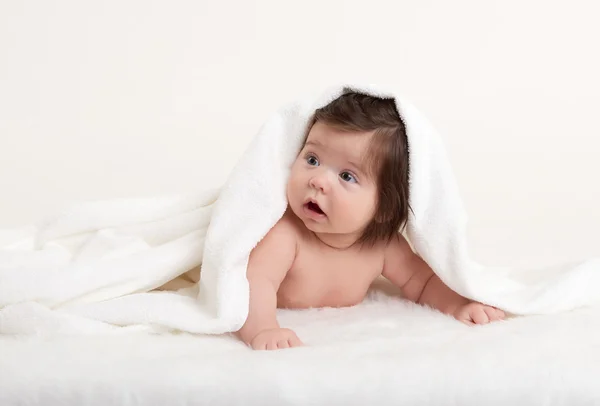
column 420, row 284
column 268, row 264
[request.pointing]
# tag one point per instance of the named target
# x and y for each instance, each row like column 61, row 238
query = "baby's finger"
column 272, row 345
column 283, row 344
column 464, row 317
column 260, row 346
column 498, row 314
column 491, row 313
column 255, row 346
column 295, row 341
column 479, row 316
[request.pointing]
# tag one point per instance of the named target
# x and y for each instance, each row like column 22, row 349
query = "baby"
column 347, row 200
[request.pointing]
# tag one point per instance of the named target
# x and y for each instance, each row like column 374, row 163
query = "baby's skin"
column 313, row 257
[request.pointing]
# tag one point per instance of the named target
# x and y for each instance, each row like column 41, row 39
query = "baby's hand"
column 275, row 339
column 478, row 313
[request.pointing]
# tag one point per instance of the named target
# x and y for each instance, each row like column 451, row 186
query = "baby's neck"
column 338, row 241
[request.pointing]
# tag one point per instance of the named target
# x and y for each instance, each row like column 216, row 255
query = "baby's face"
column 329, row 188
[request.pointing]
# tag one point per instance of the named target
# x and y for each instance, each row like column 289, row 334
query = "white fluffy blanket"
column 96, row 267
column 385, row 351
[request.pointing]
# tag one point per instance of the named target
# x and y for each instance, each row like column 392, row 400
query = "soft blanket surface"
column 383, row 352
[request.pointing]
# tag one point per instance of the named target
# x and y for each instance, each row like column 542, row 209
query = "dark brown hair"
column 387, row 156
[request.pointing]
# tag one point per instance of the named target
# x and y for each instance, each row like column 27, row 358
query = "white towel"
column 96, row 267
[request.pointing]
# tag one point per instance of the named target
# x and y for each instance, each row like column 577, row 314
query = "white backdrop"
column 140, row 98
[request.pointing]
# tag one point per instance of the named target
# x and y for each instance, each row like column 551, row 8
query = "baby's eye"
column 312, row 160
column 347, row 177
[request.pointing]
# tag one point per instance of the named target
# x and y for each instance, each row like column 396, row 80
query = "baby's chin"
column 312, row 226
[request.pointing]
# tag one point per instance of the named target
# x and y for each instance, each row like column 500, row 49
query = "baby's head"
column 351, row 176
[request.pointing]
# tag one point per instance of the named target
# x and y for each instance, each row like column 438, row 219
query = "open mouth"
column 314, row 207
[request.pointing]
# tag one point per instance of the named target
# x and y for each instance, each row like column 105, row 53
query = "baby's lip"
column 311, row 200
column 314, row 201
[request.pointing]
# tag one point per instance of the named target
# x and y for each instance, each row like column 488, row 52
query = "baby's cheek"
column 293, row 181
column 367, row 210
column 350, row 213
column 292, row 190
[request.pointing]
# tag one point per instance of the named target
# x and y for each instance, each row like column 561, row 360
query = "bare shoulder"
column 398, row 246
column 285, row 229
column 397, row 255
column 275, row 253
column 282, row 236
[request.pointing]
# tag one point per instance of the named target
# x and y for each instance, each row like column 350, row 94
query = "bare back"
column 322, row 276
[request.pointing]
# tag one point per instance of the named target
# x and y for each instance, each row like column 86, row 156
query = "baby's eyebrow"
column 356, row 165
column 316, row 143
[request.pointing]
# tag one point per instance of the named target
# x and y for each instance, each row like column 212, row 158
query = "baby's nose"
column 320, row 182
